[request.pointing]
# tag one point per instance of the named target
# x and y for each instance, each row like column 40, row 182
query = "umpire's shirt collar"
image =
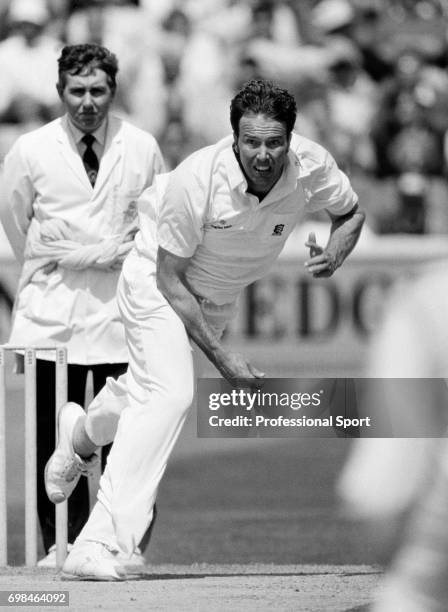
column 99, row 134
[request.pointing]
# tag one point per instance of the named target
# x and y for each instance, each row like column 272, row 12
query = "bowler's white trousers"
column 144, row 410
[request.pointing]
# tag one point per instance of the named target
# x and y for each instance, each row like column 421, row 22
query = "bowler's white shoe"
column 90, row 560
column 49, row 560
column 135, row 562
column 65, row 467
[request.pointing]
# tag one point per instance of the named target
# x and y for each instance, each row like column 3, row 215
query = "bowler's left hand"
column 321, row 264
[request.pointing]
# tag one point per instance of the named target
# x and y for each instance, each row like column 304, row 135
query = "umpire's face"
column 87, row 98
column 261, row 146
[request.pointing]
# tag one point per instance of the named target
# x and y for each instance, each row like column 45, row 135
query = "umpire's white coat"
column 43, row 178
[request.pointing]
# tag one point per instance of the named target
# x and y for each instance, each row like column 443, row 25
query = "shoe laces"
column 71, row 470
column 76, row 465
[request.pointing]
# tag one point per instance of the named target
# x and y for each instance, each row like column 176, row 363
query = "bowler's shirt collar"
column 287, row 181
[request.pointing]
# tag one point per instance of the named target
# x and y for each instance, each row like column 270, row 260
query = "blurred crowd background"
column 370, row 78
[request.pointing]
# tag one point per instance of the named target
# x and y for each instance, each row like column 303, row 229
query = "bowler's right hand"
column 239, row 372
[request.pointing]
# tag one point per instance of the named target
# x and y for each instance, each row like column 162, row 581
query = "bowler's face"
column 87, row 99
column 261, row 146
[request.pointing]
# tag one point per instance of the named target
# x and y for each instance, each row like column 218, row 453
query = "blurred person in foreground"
column 220, row 220
column 398, row 487
column 68, row 206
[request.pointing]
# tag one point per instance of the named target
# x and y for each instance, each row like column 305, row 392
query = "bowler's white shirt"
column 206, row 214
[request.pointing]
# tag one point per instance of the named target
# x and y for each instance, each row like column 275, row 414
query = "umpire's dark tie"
column 90, row 160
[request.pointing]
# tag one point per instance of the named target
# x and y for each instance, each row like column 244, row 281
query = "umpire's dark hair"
column 77, row 59
column 265, row 98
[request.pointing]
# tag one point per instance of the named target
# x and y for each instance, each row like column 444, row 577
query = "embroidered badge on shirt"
column 278, row 229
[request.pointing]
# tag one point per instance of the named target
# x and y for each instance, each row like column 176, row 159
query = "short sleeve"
column 181, row 214
column 330, row 189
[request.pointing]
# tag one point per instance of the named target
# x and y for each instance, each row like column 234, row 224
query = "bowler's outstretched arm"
column 172, row 283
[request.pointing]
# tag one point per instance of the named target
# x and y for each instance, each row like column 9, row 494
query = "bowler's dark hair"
column 263, row 97
column 77, row 59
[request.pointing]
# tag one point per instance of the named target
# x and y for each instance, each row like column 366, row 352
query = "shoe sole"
column 55, row 498
column 58, row 499
column 91, row 578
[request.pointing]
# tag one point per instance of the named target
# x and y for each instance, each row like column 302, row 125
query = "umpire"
column 67, row 203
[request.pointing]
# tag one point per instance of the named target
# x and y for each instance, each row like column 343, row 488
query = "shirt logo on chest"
column 221, row 224
column 278, row 229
